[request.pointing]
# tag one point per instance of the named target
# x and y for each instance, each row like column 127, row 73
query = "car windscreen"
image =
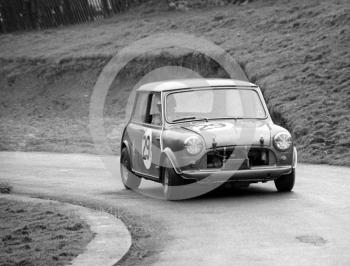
column 214, row 103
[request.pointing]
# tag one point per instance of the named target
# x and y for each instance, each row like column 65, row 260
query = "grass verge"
column 40, row 234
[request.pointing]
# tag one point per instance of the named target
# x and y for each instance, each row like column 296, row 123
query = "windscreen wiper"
column 191, row 118
column 184, row 118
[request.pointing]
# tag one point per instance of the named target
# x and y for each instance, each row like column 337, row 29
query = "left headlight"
column 194, row 145
column 282, row 141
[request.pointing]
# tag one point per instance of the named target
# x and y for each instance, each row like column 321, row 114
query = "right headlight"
column 282, row 141
column 194, row 145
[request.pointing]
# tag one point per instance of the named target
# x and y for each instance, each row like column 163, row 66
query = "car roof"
column 178, row 84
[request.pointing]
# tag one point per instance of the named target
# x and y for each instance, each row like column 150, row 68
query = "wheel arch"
column 168, row 154
column 295, row 158
column 125, row 144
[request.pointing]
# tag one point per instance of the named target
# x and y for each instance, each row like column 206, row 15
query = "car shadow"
column 226, row 192
column 223, row 192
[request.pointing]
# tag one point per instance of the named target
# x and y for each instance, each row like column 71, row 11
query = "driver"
column 157, row 110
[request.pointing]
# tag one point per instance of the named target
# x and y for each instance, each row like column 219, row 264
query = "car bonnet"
column 236, row 132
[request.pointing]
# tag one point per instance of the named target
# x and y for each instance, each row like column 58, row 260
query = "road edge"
column 112, row 239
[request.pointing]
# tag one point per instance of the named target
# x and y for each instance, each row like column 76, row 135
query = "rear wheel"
column 130, row 181
column 285, row 183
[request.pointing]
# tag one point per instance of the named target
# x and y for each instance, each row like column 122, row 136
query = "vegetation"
column 5, row 188
column 39, row 234
column 41, row 14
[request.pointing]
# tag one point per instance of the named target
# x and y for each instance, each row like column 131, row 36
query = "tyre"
column 171, row 182
column 130, row 181
column 285, row 183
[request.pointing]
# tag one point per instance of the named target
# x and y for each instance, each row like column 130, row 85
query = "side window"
column 139, row 114
column 155, row 110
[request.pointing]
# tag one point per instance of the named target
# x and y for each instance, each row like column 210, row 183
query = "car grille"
column 236, row 158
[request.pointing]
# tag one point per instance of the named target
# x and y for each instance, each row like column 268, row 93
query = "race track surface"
column 254, row 226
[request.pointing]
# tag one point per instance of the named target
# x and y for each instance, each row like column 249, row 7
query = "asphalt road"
column 254, row 226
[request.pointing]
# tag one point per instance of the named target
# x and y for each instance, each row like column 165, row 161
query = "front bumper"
column 256, row 174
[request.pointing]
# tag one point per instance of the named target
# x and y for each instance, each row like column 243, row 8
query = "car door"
column 135, row 130
column 146, row 130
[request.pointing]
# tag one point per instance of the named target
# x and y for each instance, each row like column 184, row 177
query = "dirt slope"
column 297, row 51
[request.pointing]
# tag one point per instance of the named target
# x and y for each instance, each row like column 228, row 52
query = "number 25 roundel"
column 146, row 148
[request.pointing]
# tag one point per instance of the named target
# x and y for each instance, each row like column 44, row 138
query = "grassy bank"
column 39, row 234
column 297, row 51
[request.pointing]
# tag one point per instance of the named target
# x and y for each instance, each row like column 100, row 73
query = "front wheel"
column 285, row 183
column 171, row 184
column 130, row 181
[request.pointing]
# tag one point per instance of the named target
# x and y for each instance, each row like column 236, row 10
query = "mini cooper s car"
column 204, row 131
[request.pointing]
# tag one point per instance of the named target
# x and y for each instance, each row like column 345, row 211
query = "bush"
column 5, row 188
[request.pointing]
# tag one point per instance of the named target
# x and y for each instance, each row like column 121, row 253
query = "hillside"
column 296, row 51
